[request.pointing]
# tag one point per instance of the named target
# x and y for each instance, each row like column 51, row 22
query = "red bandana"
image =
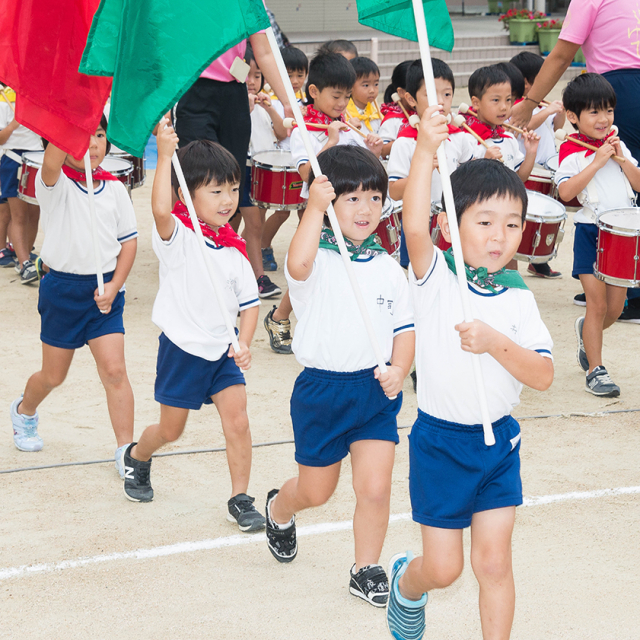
column 391, row 110
column 407, row 131
column 483, row 129
column 226, row 236
column 314, row 116
column 568, row 147
column 79, row 176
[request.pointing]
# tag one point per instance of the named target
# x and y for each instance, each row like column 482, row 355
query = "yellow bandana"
column 371, row 112
column 10, row 94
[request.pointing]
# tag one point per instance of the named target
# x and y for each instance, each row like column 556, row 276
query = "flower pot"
column 547, row 39
column 522, row 31
column 579, row 59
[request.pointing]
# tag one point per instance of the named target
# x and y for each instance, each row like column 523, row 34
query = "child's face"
column 216, row 203
column 254, row 79
column 490, row 232
column 595, row 123
column 332, row 101
column 297, row 78
column 444, row 91
column 358, row 213
column 97, row 152
column 495, row 105
column 527, row 86
column 365, row 90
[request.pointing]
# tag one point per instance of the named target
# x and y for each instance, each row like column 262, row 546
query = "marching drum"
column 552, row 164
column 275, row 183
column 139, row 172
column 540, row 180
column 31, row 162
column 544, row 229
column 436, row 234
column 388, row 229
column 120, row 168
column 618, row 249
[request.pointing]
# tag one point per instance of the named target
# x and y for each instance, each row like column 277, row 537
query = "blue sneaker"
column 7, row 257
column 268, row 261
column 405, row 618
column 25, row 429
column 119, row 460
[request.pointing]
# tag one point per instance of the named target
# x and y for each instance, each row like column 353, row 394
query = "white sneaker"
column 25, row 429
column 119, row 458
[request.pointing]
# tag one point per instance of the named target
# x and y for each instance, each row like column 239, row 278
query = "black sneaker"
column 580, row 300
column 630, row 313
column 267, row 289
column 137, row 483
column 543, row 271
column 279, row 333
column 414, row 380
column 281, row 541
column 371, row 584
column 600, row 384
column 242, row 511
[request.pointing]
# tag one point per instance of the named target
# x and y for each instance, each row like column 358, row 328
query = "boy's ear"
column 312, row 90
column 475, row 102
column 410, row 99
column 180, row 196
column 443, row 223
column 572, row 117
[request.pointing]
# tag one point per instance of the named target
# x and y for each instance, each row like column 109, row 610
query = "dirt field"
column 576, row 556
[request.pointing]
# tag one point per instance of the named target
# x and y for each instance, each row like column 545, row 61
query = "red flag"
column 41, row 44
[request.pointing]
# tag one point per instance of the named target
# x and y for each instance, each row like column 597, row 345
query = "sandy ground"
column 576, row 560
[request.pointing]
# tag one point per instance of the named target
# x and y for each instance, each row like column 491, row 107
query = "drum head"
column 626, row 221
column 117, row 166
column 33, row 158
column 541, row 206
column 553, row 163
column 273, row 158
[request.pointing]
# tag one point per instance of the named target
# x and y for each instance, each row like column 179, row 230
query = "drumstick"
column 4, row 95
column 561, row 134
column 289, row 123
column 413, row 119
column 459, row 122
column 465, row 108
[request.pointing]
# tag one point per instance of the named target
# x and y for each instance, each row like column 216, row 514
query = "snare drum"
column 552, row 164
column 388, row 230
column 540, row 180
column 121, row 169
column 618, row 249
column 275, row 183
column 544, row 229
column 436, row 234
column 31, row 162
column 139, row 173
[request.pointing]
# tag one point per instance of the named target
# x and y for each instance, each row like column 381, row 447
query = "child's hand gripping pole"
column 88, row 174
column 330, row 212
column 423, row 41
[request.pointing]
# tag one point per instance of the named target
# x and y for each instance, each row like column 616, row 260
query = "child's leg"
column 34, row 220
column 169, row 429
column 20, row 234
column 284, row 308
column 439, row 566
column 491, row 561
column 5, row 219
column 372, row 464
column 271, row 227
column 253, row 221
column 232, row 407
column 55, row 366
column 108, row 352
column 312, row 488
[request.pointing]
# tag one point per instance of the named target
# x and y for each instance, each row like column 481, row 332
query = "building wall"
column 301, row 16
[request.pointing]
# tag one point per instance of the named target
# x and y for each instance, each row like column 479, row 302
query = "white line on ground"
column 243, row 539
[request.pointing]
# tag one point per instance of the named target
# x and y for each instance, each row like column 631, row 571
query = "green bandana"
column 368, row 248
column 508, row 278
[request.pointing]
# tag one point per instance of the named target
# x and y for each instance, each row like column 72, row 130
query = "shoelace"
column 603, row 377
column 30, row 425
column 244, row 506
column 143, row 473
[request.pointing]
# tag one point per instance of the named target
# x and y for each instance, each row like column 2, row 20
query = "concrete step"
column 462, row 77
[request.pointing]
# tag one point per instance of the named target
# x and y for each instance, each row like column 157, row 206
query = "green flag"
column 395, row 17
column 155, row 50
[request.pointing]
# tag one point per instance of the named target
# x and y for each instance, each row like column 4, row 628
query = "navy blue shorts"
column 331, row 410
column 187, row 381
column 245, row 200
column 9, row 176
column 585, row 245
column 69, row 314
column 453, row 474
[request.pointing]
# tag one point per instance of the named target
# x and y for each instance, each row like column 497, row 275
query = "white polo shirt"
column 330, row 333
column 22, row 138
column 263, row 137
column 609, row 182
column 547, row 143
column 64, row 216
column 459, row 147
column 186, row 309
column 509, row 148
column 389, row 129
column 446, row 386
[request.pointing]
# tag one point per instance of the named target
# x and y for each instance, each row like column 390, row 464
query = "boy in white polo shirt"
column 72, row 313
column 196, row 363
column 341, row 403
column 455, row 480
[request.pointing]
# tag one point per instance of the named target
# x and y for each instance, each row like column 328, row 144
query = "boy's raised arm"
column 161, row 193
column 417, row 194
column 52, row 164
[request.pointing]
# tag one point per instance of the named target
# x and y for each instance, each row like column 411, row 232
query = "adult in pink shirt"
column 609, row 33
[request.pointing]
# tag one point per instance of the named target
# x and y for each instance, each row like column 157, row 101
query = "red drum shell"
column 388, row 231
column 31, row 162
column 436, row 234
column 540, row 181
column 275, row 183
column 617, row 254
column 552, row 164
column 544, row 229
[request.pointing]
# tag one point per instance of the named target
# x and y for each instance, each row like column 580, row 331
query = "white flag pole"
column 330, row 212
column 425, row 54
column 204, row 252
column 88, row 174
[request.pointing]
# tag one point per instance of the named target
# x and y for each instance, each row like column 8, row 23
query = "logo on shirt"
column 514, row 329
column 382, row 302
column 231, row 284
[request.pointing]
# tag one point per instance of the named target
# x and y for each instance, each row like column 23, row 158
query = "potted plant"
column 548, row 33
column 521, row 24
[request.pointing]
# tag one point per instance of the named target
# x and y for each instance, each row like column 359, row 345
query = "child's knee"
column 316, row 496
column 113, row 374
column 492, row 565
column 236, row 426
column 376, row 492
column 53, row 379
column 443, row 574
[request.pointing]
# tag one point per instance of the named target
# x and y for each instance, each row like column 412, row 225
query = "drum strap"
column 14, row 156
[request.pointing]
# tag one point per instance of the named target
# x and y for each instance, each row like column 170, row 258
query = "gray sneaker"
column 600, row 384
column 137, row 481
column 581, row 354
column 242, row 511
column 25, row 429
column 28, row 272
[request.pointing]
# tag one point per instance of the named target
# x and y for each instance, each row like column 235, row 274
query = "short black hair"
column 415, row 75
column 349, row 167
column 588, row 91
column 202, row 162
column 364, row 67
column 249, row 58
column 483, row 179
column 338, row 46
column 295, row 59
column 515, row 78
column 529, row 64
column 330, row 70
column 103, row 124
column 484, row 77
column 398, row 79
